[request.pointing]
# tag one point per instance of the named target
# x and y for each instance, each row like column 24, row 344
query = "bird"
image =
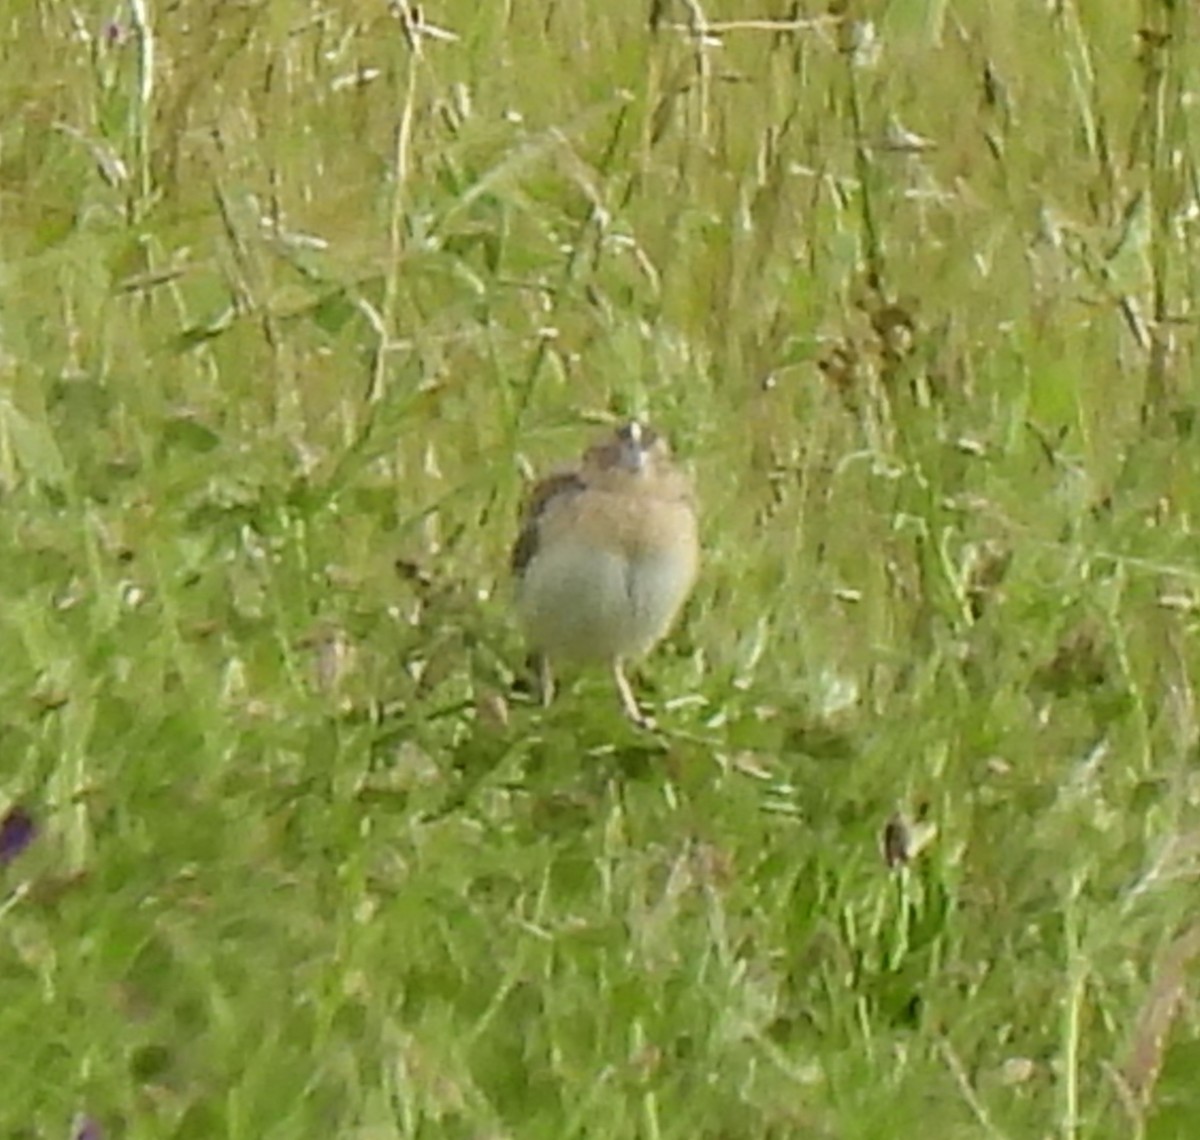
column 607, row 552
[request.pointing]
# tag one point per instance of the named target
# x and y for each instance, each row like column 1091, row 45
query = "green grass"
column 289, row 306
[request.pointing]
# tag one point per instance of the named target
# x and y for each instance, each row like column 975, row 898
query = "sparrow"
column 607, row 553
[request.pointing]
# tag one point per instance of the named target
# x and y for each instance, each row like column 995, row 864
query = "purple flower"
column 85, row 1128
column 17, row 831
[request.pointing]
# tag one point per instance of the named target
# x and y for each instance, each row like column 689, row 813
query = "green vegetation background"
column 293, row 296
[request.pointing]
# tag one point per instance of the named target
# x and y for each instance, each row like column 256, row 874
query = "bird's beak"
column 632, row 450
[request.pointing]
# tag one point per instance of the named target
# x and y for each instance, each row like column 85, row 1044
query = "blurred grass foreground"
column 293, row 299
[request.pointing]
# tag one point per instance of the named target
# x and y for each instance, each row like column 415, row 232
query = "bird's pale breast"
column 609, row 575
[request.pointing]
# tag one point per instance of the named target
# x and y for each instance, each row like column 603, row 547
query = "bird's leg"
column 545, row 676
column 629, row 703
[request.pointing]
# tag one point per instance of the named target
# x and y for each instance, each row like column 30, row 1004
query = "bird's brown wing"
column 546, row 491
